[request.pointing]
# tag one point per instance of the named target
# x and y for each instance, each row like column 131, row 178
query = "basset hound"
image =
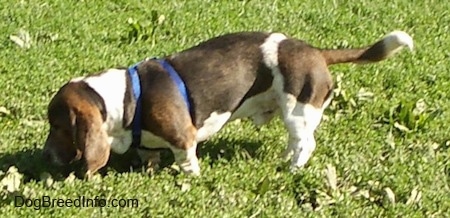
column 180, row 100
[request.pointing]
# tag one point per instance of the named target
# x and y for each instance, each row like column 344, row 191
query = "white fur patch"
column 212, row 125
column 260, row 108
column 301, row 120
column 270, row 49
column 396, row 40
column 308, row 115
column 187, row 160
column 77, row 79
column 120, row 140
column 111, row 86
column 151, row 140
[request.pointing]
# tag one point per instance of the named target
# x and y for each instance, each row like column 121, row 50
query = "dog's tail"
column 387, row 46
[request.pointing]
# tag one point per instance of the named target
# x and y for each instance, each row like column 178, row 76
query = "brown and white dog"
column 247, row 74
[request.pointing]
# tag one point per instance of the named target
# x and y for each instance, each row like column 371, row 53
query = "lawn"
column 382, row 148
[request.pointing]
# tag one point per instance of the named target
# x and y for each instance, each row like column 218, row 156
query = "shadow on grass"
column 222, row 148
column 225, row 148
column 31, row 164
column 28, row 162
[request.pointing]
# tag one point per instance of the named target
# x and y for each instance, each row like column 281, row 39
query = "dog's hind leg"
column 301, row 120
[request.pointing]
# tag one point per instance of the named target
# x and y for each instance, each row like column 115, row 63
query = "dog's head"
column 75, row 119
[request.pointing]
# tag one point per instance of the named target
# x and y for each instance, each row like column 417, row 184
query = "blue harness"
column 136, row 84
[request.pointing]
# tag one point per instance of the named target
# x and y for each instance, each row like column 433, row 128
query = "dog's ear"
column 91, row 139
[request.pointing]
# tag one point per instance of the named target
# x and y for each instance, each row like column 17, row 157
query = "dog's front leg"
column 187, row 159
column 301, row 120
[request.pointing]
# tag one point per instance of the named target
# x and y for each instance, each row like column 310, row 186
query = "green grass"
column 374, row 144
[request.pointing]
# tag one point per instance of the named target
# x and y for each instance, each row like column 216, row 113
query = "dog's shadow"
column 226, row 148
column 32, row 166
column 209, row 151
column 28, row 162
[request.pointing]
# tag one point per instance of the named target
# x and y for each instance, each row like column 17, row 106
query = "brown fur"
column 305, row 71
column 165, row 113
column 75, row 129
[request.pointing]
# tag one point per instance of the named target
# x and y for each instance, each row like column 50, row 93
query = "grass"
column 381, row 152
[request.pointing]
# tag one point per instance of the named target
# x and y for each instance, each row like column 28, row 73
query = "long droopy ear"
column 91, row 139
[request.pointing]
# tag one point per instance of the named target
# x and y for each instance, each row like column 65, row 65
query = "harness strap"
column 178, row 81
column 136, row 123
column 135, row 81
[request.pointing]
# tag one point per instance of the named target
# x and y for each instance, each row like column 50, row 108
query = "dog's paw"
column 191, row 168
column 295, row 169
column 152, row 167
column 92, row 176
column 194, row 171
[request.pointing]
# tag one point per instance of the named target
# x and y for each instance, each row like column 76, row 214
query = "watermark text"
column 80, row 201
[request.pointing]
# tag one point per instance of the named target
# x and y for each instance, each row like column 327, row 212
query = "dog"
column 182, row 99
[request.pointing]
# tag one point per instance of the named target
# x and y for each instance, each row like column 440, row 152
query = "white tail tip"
column 397, row 39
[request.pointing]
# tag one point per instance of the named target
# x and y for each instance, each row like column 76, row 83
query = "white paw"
column 191, row 167
column 299, row 162
column 294, row 168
